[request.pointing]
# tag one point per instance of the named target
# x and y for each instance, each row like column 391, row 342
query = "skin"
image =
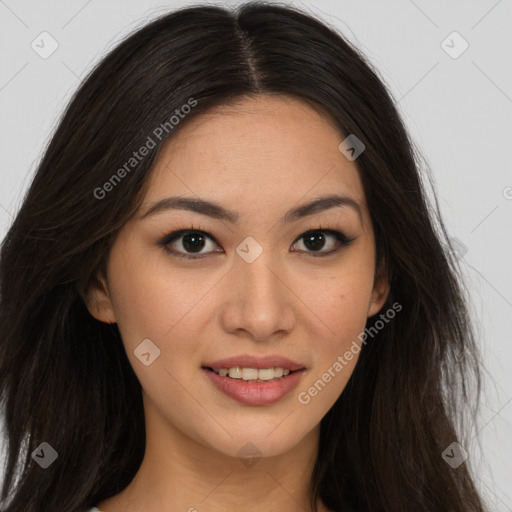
column 260, row 157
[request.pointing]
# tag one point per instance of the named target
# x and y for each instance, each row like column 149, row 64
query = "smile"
column 260, row 375
column 246, row 386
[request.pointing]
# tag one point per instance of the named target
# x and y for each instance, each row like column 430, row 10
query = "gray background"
column 458, row 110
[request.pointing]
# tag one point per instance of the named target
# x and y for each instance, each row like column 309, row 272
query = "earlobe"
column 378, row 299
column 98, row 302
column 380, row 292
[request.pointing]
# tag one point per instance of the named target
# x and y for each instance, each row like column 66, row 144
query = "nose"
column 258, row 300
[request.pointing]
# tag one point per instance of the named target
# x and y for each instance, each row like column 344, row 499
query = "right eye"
column 188, row 239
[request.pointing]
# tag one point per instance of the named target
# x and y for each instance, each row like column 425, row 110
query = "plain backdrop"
column 456, row 102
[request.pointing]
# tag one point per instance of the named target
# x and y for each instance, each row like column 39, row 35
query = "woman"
column 225, row 288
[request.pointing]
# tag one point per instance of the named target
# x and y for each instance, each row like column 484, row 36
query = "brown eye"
column 193, row 242
column 185, row 242
column 315, row 241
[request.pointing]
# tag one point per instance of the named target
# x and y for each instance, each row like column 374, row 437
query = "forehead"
column 258, row 154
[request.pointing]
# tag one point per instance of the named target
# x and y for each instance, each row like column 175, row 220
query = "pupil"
column 193, row 242
column 313, row 246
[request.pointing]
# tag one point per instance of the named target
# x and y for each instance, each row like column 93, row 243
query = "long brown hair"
column 65, row 378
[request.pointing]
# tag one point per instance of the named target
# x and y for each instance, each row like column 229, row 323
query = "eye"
column 314, row 240
column 193, row 241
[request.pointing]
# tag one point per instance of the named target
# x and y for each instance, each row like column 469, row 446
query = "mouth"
column 244, row 384
column 253, row 374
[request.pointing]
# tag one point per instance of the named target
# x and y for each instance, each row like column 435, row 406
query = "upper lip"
column 258, row 362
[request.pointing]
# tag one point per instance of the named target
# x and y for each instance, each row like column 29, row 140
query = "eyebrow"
column 217, row 211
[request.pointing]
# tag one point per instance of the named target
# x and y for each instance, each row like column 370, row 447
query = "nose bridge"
column 259, row 301
column 256, row 271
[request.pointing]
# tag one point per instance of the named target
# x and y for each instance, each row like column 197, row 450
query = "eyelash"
column 342, row 239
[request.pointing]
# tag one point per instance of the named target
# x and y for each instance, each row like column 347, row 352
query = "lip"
column 257, row 362
column 252, row 392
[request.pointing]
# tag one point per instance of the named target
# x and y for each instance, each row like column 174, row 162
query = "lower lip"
column 252, row 392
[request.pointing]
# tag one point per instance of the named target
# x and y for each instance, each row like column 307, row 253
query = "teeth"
column 235, row 373
column 263, row 374
column 253, row 373
column 249, row 373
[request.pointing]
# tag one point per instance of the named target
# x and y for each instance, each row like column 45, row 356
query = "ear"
column 380, row 292
column 98, row 301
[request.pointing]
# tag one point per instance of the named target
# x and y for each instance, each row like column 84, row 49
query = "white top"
column 94, row 509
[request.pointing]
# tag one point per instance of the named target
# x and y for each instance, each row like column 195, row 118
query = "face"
column 297, row 286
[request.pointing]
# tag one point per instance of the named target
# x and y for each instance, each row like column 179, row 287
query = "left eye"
column 194, row 241
column 315, row 238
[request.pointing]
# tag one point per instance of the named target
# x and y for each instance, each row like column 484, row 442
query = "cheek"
column 344, row 311
column 349, row 309
column 149, row 295
column 342, row 302
column 146, row 302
